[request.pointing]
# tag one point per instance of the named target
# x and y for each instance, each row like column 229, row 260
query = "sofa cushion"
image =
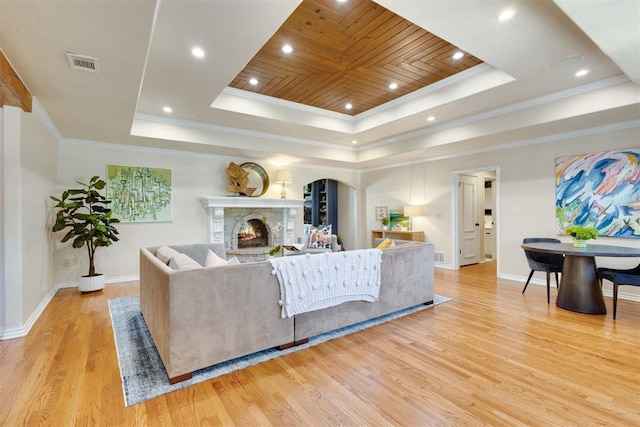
column 165, row 253
column 183, row 262
column 213, row 260
column 386, row 243
column 320, row 238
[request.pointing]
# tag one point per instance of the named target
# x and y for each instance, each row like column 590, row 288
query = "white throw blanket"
column 311, row 282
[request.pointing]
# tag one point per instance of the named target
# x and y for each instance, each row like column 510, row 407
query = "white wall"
column 194, row 176
column 525, row 195
column 3, row 322
column 38, row 170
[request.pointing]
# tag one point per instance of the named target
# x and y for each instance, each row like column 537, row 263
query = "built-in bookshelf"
column 321, row 203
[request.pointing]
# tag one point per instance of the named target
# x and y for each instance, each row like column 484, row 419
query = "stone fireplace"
column 250, row 226
column 253, row 234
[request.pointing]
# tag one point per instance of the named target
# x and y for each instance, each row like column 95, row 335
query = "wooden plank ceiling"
column 349, row 52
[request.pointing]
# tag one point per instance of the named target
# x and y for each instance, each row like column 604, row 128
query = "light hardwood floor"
column 492, row 356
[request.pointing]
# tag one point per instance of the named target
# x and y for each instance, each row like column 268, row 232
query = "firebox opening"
column 254, row 234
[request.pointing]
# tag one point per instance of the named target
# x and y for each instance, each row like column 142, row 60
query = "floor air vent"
column 83, row 62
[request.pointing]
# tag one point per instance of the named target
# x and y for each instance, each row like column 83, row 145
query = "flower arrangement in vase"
column 581, row 234
column 276, row 250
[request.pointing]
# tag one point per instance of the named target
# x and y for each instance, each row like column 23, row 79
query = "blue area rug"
column 142, row 371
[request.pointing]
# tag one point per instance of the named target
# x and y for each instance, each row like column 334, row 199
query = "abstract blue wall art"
column 140, row 194
column 600, row 190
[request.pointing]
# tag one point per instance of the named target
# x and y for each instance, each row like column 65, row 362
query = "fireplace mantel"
column 249, row 202
column 215, row 207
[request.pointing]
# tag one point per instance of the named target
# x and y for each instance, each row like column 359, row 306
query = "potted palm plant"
column 86, row 213
column 581, row 234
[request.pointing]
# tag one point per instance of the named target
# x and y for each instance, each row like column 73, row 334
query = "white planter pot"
column 91, row 283
column 579, row 243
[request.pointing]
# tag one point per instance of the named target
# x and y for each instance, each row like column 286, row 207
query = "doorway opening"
column 476, row 208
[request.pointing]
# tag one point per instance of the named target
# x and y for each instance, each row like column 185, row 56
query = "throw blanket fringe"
column 311, row 282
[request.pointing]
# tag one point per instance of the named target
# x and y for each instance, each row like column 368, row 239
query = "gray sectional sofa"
column 203, row 316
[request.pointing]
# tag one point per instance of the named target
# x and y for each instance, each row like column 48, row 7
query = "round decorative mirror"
column 258, row 179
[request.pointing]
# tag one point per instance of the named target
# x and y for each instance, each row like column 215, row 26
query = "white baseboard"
column 445, row 266
column 108, row 280
column 11, row 333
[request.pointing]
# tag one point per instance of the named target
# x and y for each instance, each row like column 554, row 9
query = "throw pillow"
column 213, row 260
column 233, row 261
column 165, row 253
column 183, row 262
column 386, row 243
column 320, row 237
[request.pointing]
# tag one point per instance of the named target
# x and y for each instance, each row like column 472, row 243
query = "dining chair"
column 541, row 261
column 629, row 277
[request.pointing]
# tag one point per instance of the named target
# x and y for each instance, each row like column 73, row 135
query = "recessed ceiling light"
column 393, row 86
column 197, row 52
column 341, row 1
column 505, row 15
column 582, row 73
column 253, row 81
column 348, row 106
column 287, row 48
column 430, row 118
column 354, row 142
column 167, row 109
column 458, row 55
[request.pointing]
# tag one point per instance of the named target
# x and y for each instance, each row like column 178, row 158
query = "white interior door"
column 468, row 223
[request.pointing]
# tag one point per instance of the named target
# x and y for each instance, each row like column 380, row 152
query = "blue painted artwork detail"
column 600, row 190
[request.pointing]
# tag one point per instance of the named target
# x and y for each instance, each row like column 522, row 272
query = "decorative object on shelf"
column 140, row 194
column 607, row 181
column 238, row 179
column 581, row 234
column 398, row 221
column 87, row 214
column 385, row 222
column 411, row 211
column 248, row 179
column 283, row 176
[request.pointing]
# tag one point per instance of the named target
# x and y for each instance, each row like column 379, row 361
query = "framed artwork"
column 398, row 220
column 600, row 190
column 140, row 194
column 381, row 212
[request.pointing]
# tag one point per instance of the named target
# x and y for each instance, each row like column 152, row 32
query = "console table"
column 416, row 236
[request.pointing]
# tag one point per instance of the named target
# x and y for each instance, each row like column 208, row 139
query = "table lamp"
column 283, row 176
column 411, row 211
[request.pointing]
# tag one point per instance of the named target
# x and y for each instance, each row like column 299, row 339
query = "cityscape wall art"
column 140, row 194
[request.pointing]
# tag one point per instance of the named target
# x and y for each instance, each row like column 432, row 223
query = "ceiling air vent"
column 83, row 62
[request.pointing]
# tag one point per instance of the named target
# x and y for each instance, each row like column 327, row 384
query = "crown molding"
column 46, row 121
